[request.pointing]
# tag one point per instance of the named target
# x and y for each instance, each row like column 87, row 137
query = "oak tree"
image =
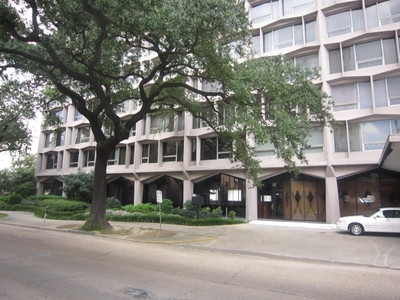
column 98, row 54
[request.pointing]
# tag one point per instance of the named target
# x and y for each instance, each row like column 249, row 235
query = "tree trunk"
column 97, row 219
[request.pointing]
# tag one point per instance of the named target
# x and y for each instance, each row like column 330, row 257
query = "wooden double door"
column 305, row 201
column 301, row 199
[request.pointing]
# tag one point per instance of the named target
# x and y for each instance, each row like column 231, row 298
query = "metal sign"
column 159, row 196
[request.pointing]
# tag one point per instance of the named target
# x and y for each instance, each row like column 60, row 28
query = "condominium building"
column 352, row 169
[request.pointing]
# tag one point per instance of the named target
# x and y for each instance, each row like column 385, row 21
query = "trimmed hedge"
column 143, row 207
column 64, row 205
column 172, row 219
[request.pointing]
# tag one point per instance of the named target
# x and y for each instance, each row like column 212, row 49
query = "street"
column 46, row 264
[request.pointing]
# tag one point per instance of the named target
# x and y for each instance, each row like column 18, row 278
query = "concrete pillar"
column 332, row 196
column 39, row 188
column 138, row 193
column 251, row 201
column 188, row 188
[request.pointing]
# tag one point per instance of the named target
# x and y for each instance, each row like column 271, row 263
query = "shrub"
column 232, row 214
column 113, row 202
column 15, row 199
column 190, row 211
column 167, row 206
column 43, row 197
column 172, row 219
column 143, row 207
column 4, row 206
column 64, row 205
column 30, row 202
column 11, row 199
column 79, row 186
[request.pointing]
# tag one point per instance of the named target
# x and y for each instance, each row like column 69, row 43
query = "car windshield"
column 371, row 214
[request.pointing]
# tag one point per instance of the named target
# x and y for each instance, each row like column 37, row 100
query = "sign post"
column 46, row 209
column 159, row 201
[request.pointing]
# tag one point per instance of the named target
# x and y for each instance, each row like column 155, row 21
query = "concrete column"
column 188, row 187
column 332, row 196
column 39, row 188
column 138, row 194
column 251, row 202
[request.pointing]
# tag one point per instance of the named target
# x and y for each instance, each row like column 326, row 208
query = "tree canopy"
column 20, row 177
column 16, row 111
column 98, row 54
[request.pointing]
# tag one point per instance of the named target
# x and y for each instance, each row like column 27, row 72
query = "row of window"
column 377, row 14
column 359, row 95
column 341, row 23
column 364, row 136
column 348, row 137
column 355, row 57
column 172, row 151
column 273, row 9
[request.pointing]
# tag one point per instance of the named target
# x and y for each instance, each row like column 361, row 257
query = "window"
column 207, row 113
column 266, row 149
column 132, row 155
column 77, row 115
column 211, row 87
column 387, row 91
column 226, row 113
column 113, row 157
column 345, row 22
column 365, row 136
column 289, row 36
column 149, row 153
column 82, row 135
column 383, row 13
column 194, row 149
column 109, row 130
column 365, row 55
column 162, row 124
column 121, row 155
column 180, row 121
column 296, row 6
column 214, row 148
column 117, row 156
column 173, row 151
column 51, row 160
column 234, row 195
column 264, row 12
column 214, row 195
column 315, row 140
column 352, row 96
column 59, row 115
column 89, row 157
column 308, row 61
column 73, row 158
column 48, row 140
column 132, row 131
column 60, row 139
column 256, row 44
column 340, row 135
column 310, row 31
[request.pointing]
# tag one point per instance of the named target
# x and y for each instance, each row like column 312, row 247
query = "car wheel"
column 356, row 229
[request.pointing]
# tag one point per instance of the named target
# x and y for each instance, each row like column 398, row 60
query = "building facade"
column 356, row 46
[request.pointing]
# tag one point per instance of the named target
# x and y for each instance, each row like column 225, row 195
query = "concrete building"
column 353, row 170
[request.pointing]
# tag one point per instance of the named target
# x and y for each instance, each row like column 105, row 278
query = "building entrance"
column 284, row 197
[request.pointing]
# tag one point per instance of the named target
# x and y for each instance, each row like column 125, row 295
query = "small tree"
column 20, row 178
column 79, row 186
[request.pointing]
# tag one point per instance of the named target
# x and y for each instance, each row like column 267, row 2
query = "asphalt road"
column 43, row 264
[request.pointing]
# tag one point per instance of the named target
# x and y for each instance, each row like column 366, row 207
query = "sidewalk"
column 271, row 239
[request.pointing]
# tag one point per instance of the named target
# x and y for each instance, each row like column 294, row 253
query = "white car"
column 384, row 220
